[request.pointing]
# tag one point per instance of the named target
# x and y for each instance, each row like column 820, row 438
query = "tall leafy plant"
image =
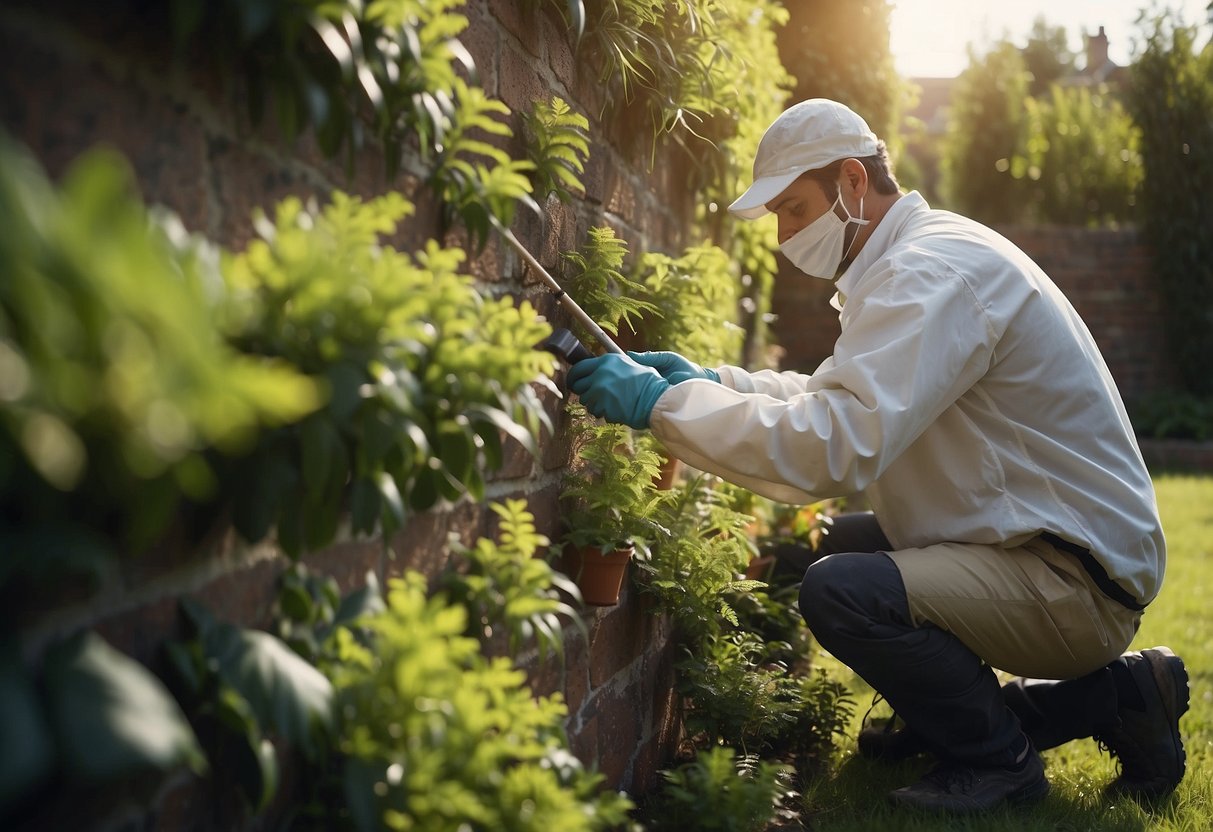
column 696, row 560
column 599, row 285
column 1171, row 96
column 985, row 135
column 435, row 736
column 1081, row 158
column 506, row 585
column 696, row 298
column 558, row 148
column 119, row 398
column 426, row 376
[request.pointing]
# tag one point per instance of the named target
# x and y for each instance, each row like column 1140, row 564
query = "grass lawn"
column 852, row 797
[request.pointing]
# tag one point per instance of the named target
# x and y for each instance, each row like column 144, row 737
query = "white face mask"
column 816, row 249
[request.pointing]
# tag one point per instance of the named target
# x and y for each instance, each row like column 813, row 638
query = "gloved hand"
column 616, row 388
column 673, row 367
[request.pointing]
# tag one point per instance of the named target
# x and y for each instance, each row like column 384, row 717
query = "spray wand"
column 561, row 342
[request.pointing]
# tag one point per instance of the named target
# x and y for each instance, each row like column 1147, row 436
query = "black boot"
column 962, row 788
column 1153, row 695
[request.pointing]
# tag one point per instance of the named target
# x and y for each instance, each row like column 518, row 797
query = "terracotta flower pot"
column 760, row 568
column 600, row 576
column 670, row 470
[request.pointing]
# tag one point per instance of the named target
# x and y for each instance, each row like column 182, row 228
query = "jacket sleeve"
column 907, row 351
column 782, row 386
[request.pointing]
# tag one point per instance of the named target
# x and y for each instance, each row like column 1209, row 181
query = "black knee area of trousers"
column 856, row 606
column 846, row 595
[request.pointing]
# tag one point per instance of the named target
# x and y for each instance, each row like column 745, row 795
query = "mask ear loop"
column 859, row 223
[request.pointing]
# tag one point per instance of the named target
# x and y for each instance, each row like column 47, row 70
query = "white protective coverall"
column 965, row 398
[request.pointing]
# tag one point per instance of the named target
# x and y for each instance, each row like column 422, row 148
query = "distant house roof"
column 1099, row 68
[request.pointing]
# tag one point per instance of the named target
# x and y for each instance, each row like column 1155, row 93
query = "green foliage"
column 716, row 791
column 1174, row 415
column 773, row 614
column 817, row 46
column 426, row 376
column 343, row 68
column 91, row 721
column 1046, row 56
column 486, row 191
column 1171, row 96
column 309, row 608
column 985, row 133
column 696, row 303
column 1081, row 156
column 737, row 695
column 434, row 736
column 348, row 70
column 117, row 390
column 505, row 585
column 242, row 688
column 608, row 494
column 695, row 561
column 598, row 285
column 559, row 148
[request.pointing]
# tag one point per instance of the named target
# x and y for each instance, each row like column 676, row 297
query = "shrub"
column 717, row 791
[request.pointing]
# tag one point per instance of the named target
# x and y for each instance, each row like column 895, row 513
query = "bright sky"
column 929, row 37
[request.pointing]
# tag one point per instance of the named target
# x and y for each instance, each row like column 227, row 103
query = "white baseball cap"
column 806, row 136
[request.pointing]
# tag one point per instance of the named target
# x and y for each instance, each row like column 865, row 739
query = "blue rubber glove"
column 616, row 388
column 673, row 367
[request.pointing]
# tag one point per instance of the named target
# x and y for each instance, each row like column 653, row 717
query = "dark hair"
column 880, row 173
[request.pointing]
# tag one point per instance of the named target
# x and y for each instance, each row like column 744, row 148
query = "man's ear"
column 854, row 179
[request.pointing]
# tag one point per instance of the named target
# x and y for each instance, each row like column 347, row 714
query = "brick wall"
column 1105, row 274
column 74, row 75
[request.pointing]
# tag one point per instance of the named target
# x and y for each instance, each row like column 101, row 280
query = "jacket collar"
column 886, row 233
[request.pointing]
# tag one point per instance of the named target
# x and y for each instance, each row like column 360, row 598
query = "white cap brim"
column 752, row 204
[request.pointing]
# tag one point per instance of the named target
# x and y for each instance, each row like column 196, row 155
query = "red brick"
column 558, row 37
column 520, row 86
column 482, row 40
column 519, row 18
column 422, row 545
column 584, row 743
column 621, row 635
column 619, row 731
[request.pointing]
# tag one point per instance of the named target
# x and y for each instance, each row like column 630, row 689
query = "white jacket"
column 965, row 398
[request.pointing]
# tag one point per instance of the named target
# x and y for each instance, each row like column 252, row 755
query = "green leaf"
column 258, row 489
column 364, row 506
column 363, row 602
column 296, row 602
column 323, row 453
column 114, row 719
column 282, row 689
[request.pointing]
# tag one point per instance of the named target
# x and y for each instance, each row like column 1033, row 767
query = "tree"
column 1081, row 159
column 1171, row 97
column 985, row 133
column 820, row 46
column 1046, row 56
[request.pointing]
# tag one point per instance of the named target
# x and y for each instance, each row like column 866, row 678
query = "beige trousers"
column 1029, row 610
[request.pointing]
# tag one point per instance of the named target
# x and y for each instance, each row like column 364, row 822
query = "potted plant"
column 608, row 500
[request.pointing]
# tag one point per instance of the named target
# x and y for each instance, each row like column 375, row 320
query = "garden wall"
column 1105, row 274
column 75, row 75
